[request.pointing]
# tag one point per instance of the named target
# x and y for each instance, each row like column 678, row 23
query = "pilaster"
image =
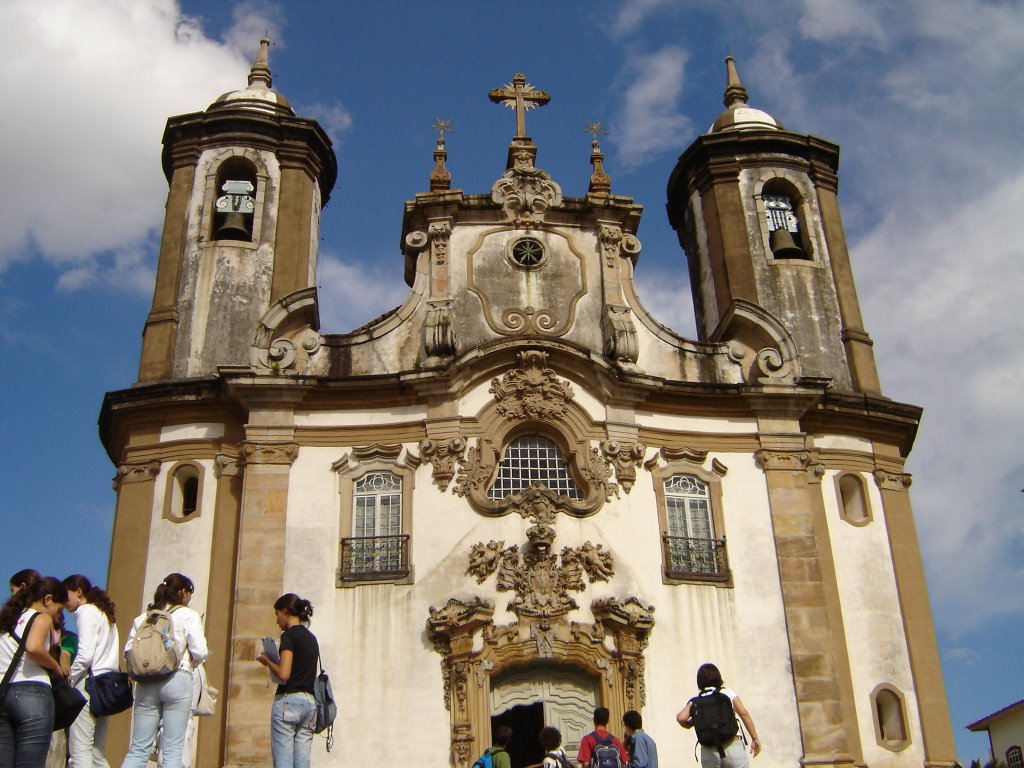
column 220, row 591
column 925, row 666
column 817, row 642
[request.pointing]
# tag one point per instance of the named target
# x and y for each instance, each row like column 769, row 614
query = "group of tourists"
column 713, row 713
column 164, row 653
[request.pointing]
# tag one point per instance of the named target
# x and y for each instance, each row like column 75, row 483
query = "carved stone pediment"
column 525, row 192
column 532, row 391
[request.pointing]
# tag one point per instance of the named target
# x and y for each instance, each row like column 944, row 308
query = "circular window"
column 527, row 253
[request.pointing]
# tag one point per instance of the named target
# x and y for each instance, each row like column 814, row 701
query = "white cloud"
column 948, row 338
column 93, row 82
column 633, row 13
column 650, row 121
column 666, row 295
column 333, row 118
column 352, row 293
column 253, row 20
column 847, row 20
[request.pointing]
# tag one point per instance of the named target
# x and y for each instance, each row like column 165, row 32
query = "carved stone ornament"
column 226, row 465
column 609, row 237
column 532, row 391
column 625, row 458
column 892, row 481
column 442, row 454
column 270, row 453
column 772, row 365
column 286, row 339
column 135, row 473
column 440, row 234
column 378, row 452
column 794, row 461
column 439, row 332
column 524, row 192
column 540, row 580
column 620, row 339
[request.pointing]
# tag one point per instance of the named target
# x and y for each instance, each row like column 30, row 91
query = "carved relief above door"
column 542, row 636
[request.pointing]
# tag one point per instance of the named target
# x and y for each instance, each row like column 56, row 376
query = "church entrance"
column 527, row 698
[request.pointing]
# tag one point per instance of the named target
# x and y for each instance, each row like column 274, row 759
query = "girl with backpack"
column 98, row 646
column 26, row 714
column 713, row 713
column 293, row 714
column 167, row 696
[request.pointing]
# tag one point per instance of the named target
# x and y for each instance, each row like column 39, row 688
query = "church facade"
column 519, row 496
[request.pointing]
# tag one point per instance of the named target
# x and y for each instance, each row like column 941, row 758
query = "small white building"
column 1005, row 733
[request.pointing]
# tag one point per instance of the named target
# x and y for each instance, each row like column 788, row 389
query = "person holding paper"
column 293, row 714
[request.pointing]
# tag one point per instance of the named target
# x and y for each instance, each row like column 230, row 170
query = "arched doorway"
column 531, row 696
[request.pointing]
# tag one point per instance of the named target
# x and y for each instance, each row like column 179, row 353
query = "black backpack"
column 714, row 719
column 605, row 753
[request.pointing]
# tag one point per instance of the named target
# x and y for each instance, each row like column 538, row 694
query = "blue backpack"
column 486, row 760
column 605, row 754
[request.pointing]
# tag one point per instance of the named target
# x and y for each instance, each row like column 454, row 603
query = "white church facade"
column 519, row 496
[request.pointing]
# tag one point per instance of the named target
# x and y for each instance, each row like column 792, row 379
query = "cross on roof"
column 520, row 96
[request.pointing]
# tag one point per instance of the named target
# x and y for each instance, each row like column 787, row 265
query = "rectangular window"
column 691, row 549
column 377, row 547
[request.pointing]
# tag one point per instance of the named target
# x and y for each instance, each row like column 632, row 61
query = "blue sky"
column 922, row 95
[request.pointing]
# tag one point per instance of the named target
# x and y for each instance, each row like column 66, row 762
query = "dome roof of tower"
column 257, row 95
column 738, row 115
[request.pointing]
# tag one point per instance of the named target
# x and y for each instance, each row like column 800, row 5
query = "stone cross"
column 520, row 96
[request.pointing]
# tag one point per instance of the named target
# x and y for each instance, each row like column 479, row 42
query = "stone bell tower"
column 755, row 209
column 247, row 181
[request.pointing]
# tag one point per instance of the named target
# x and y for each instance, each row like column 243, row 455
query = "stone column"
column 126, row 574
column 220, row 593
column 817, row 643
column 925, row 666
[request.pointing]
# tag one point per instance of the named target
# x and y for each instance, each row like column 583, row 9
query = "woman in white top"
column 98, row 648
column 26, row 720
column 709, row 680
column 167, row 699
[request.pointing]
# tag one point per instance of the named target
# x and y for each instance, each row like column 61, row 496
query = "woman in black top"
column 294, row 712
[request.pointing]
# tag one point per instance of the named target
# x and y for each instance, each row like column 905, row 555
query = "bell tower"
column 247, row 182
column 755, row 208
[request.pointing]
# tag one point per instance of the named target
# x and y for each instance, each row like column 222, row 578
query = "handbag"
column 68, row 702
column 109, row 693
column 206, row 704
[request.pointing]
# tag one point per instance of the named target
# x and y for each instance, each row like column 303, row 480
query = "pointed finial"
column 441, row 177
column 735, row 93
column 260, row 72
column 599, row 180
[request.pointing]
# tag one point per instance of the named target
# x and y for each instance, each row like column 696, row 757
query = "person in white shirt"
column 26, row 718
column 551, row 742
column 169, row 699
column 732, row 753
column 98, row 646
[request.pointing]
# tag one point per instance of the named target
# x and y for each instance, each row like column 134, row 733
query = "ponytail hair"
column 24, row 578
column 168, row 591
column 93, row 595
column 294, row 605
column 23, row 598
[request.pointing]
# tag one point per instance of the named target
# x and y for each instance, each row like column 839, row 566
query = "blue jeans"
column 169, row 701
column 26, row 725
column 291, row 729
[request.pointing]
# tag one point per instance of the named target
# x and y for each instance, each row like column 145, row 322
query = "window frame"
column 351, row 468
column 841, row 498
column 898, row 700
column 785, row 185
column 174, row 491
column 539, row 434
column 1016, row 751
column 713, row 481
column 212, row 192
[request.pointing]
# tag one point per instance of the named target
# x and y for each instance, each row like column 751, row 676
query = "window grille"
column 1014, row 757
column 691, row 550
column 533, row 459
column 376, row 545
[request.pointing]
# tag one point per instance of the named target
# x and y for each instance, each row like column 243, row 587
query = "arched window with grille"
column 530, row 459
column 1014, row 757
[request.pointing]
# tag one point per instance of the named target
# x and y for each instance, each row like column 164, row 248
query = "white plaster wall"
column 706, row 424
column 180, row 547
column 207, row 431
column 386, row 672
column 1007, row 732
column 875, row 637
